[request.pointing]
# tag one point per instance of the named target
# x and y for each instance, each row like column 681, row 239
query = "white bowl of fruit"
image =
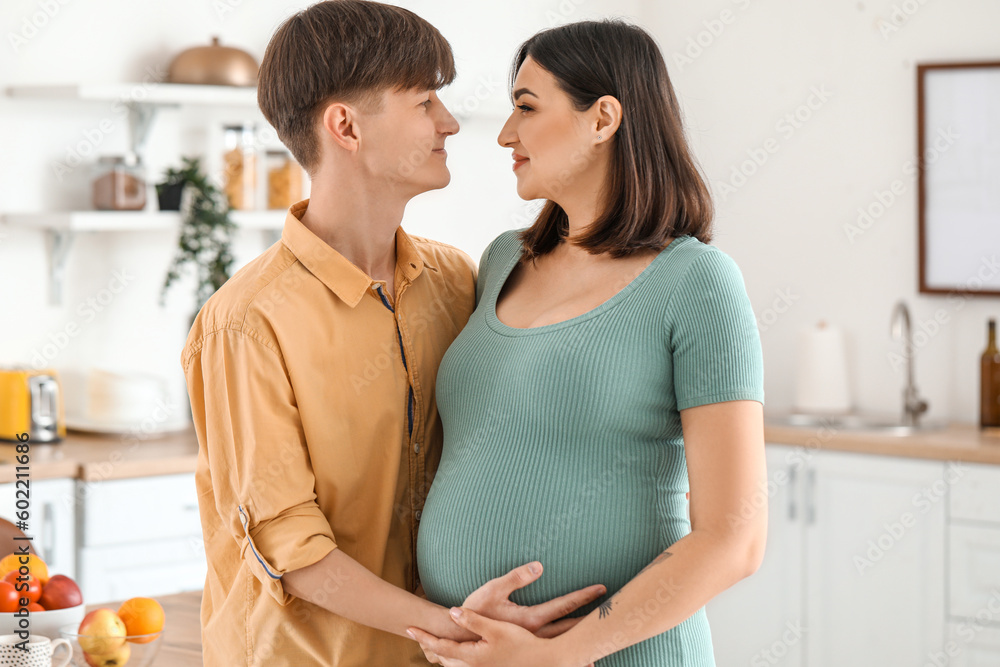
column 52, row 602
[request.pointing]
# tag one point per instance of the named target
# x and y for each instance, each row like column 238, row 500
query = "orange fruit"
column 142, row 616
column 35, row 565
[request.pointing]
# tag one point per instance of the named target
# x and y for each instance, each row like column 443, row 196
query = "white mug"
column 39, row 653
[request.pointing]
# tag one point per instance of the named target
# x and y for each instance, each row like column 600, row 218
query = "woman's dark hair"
column 344, row 51
column 653, row 191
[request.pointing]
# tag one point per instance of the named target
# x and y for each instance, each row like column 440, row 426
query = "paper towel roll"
column 821, row 385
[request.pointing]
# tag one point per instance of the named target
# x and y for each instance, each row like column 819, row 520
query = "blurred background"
column 804, row 118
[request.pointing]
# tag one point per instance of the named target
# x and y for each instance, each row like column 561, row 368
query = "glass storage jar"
column 119, row 183
column 284, row 180
column 239, row 166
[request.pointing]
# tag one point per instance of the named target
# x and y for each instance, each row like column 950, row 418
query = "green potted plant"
column 169, row 191
column 206, row 234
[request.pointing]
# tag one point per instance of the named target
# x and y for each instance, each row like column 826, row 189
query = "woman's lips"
column 519, row 160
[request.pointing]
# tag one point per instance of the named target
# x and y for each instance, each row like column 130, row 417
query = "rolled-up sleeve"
column 248, row 426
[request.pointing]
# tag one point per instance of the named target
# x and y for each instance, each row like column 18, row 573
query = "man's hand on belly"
column 492, row 599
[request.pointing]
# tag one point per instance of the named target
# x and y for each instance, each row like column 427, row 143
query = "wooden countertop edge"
column 984, row 448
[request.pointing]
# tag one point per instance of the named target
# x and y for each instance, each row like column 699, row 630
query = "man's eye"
column 426, row 103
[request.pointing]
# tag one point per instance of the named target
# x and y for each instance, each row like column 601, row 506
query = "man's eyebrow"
column 523, row 91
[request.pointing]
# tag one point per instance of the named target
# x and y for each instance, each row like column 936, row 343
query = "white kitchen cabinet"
column 51, row 523
column 140, row 537
column 854, row 571
column 874, row 542
column 759, row 621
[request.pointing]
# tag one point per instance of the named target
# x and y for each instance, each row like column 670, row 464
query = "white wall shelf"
column 127, row 221
column 151, row 92
column 61, row 226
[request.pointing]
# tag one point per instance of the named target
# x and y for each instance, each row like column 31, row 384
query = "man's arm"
column 340, row 584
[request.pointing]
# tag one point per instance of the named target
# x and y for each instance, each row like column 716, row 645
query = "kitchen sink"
column 881, row 424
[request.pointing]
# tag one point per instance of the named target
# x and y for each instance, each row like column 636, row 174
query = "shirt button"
column 416, row 448
column 418, row 513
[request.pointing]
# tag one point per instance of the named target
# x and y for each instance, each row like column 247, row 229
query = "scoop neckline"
column 494, row 321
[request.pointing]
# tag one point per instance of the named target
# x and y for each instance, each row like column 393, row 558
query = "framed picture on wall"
column 958, row 146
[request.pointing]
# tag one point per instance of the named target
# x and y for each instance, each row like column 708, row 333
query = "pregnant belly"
column 480, row 521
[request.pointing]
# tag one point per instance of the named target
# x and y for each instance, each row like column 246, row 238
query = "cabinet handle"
column 793, row 509
column 48, row 531
column 810, row 493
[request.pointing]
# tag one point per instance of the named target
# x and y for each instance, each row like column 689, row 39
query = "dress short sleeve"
column 713, row 335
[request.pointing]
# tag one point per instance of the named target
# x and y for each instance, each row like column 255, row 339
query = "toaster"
column 31, row 402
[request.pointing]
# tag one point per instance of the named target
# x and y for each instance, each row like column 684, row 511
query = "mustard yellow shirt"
column 312, row 394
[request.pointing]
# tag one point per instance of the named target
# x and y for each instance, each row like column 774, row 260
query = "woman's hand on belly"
column 492, row 600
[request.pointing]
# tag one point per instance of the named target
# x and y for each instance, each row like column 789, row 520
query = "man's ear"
column 340, row 123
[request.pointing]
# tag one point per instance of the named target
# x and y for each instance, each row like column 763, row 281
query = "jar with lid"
column 119, row 184
column 284, row 180
column 239, row 166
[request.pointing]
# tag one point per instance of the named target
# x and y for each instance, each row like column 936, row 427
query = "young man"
column 311, row 372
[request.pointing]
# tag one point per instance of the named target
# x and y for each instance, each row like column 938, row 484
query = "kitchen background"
column 829, row 89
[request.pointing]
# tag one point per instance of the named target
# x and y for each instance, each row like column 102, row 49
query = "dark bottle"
column 989, row 382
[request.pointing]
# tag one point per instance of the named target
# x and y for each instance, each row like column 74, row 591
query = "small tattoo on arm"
column 605, row 607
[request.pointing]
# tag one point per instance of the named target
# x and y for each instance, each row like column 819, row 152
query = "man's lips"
column 440, row 151
column 519, row 160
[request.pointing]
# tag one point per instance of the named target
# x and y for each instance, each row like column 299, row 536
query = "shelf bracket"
column 58, row 242
column 140, row 120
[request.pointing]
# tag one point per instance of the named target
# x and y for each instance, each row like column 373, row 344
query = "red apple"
column 115, row 659
column 102, row 632
column 60, row 593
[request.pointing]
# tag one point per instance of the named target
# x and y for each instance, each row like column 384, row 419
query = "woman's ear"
column 609, row 117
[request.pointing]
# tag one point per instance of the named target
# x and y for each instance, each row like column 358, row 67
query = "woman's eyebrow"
column 523, row 91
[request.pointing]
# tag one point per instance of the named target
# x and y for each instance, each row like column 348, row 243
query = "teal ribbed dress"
column 563, row 443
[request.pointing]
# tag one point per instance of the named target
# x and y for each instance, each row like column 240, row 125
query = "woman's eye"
column 524, row 107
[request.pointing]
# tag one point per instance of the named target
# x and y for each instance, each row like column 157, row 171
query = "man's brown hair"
column 344, row 51
column 653, row 191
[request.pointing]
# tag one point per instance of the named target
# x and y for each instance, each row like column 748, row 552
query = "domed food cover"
column 214, row 65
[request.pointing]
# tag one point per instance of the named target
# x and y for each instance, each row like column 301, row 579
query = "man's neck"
column 358, row 222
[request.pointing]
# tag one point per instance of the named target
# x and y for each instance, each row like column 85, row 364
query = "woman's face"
column 553, row 144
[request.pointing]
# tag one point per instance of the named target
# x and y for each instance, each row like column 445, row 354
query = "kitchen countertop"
column 99, row 457
column 181, row 645
column 92, row 457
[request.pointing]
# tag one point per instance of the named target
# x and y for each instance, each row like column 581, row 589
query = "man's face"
column 402, row 142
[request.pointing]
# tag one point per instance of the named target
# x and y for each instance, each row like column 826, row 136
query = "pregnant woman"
column 612, row 365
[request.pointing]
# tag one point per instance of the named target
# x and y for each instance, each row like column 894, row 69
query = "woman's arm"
column 724, row 446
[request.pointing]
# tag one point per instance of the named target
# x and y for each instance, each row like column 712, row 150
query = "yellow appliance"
column 31, row 402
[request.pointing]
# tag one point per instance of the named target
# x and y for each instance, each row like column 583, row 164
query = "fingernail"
column 535, row 568
column 456, row 612
column 412, row 636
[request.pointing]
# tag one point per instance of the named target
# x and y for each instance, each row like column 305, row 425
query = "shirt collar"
column 334, row 270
